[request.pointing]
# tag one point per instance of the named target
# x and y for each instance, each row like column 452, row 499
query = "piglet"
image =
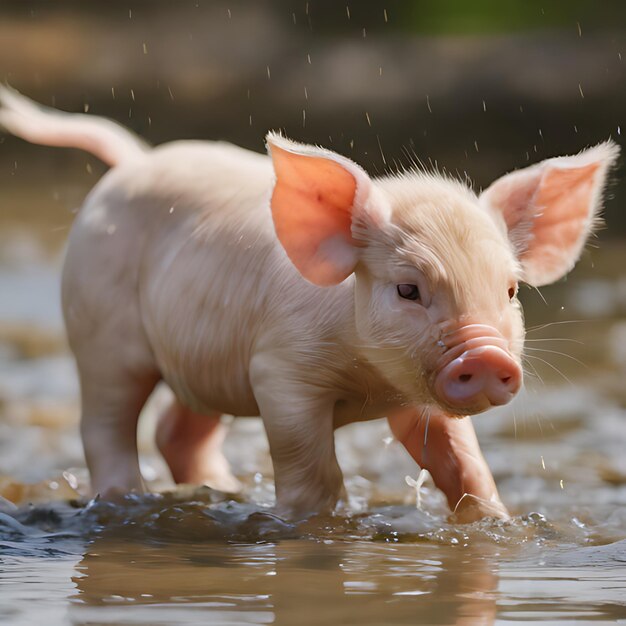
column 296, row 287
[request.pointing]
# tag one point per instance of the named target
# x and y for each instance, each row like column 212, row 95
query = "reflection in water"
column 165, row 560
column 193, row 559
column 285, row 583
column 169, row 559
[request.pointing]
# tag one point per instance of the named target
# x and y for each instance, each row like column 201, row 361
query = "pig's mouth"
column 476, row 370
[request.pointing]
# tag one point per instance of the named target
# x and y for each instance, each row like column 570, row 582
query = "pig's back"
column 212, row 283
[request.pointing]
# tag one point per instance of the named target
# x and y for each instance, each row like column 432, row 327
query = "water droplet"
column 417, row 485
column 71, row 480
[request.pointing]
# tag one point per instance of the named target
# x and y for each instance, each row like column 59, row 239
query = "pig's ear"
column 551, row 208
column 317, row 196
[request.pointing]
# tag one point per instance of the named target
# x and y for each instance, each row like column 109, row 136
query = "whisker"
column 541, row 295
column 533, row 329
column 529, row 374
column 524, row 414
column 536, row 373
column 569, row 356
column 582, row 343
column 556, row 369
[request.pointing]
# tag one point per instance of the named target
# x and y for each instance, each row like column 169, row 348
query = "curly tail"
column 103, row 138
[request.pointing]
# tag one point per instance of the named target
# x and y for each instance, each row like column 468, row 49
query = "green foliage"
column 501, row 16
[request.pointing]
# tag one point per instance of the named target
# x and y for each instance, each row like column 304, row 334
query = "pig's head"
column 437, row 267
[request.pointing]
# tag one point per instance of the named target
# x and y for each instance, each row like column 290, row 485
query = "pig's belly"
column 230, row 394
column 205, row 363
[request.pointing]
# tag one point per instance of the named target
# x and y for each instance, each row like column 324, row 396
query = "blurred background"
column 477, row 88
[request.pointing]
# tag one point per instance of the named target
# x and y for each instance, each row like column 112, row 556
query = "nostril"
column 480, row 377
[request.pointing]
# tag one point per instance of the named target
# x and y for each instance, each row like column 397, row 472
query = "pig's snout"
column 477, row 373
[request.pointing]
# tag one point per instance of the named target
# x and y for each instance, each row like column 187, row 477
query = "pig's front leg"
column 298, row 420
column 448, row 448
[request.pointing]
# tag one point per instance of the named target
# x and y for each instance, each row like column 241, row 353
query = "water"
column 193, row 556
column 161, row 560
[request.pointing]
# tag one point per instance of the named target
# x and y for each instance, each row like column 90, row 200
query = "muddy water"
column 192, row 556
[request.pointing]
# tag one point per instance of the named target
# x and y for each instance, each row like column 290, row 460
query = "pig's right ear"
column 317, row 197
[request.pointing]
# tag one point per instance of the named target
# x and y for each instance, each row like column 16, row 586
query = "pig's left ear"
column 550, row 208
column 317, row 198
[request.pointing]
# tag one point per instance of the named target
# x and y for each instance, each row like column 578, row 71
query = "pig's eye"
column 512, row 292
column 409, row 292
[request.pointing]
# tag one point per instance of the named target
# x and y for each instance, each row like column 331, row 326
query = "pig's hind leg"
column 114, row 358
column 191, row 444
column 111, row 400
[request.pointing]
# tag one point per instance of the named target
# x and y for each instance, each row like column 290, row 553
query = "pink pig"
column 297, row 288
